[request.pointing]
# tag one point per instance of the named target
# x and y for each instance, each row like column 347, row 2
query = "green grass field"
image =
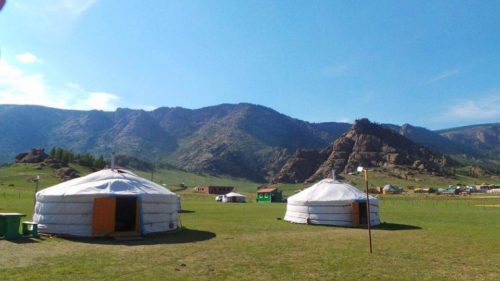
column 423, row 238
column 174, row 178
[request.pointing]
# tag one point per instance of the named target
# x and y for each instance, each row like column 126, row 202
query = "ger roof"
column 234, row 194
column 112, row 181
column 329, row 190
column 266, row 190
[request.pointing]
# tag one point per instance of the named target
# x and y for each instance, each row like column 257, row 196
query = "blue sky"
column 429, row 63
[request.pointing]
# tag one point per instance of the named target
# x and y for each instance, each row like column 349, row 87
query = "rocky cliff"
column 369, row 145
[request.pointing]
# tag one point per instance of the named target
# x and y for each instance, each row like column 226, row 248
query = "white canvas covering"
column 234, row 194
column 233, row 197
column 67, row 208
column 328, row 202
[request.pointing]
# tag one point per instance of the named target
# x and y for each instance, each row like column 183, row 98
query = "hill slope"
column 484, row 138
column 242, row 140
column 432, row 140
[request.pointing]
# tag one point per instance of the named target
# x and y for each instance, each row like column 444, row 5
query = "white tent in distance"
column 233, row 197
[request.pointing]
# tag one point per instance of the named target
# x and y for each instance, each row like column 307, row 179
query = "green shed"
column 269, row 195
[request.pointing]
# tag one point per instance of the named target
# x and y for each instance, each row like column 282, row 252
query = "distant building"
column 269, row 195
column 391, row 189
column 486, row 186
column 213, row 189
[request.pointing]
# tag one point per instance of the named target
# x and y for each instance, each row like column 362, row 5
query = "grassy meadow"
column 423, row 237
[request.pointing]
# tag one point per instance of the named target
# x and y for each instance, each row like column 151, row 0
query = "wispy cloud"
column 68, row 8
column 345, row 120
column 444, row 75
column 53, row 15
column 27, row 58
column 484, row 108
column 101, row 100
column 17, row 86
column 341, row 68
column 337, row 70
column 92, row 100
column 146, row 107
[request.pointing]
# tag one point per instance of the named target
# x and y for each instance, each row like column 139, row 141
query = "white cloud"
column 477, row 109
column 27, row 58
column 74, row 86
column 444, row 75
column 17, row 87
column 337, row 70
column 146, row 107
column 68, row 8
column 345, row 120
column 101, row 100
column 20, row 87
column 53, row 15
column 347, row 66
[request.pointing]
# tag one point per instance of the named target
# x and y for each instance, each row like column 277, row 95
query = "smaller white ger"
column 111, row 202
column 233, row 197
column 331, row 202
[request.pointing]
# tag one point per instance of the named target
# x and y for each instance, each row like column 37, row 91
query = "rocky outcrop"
column 369, row 145
column 301, row 166
column 67, row 173
column 52, row 163
column 36, row 155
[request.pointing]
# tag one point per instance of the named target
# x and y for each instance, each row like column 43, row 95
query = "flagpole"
column 368, row 211
column 37, row 181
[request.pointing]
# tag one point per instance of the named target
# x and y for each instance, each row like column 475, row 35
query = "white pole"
column 368, row 211
column 37, row 180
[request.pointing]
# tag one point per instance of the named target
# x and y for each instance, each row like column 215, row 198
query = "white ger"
column 109, row 202
column 331, row 202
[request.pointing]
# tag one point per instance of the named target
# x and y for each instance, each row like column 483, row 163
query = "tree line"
column 86, row 159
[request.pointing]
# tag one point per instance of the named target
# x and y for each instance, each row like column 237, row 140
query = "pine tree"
column 65, row 157
column 71, row 156
column 53, row 152
column 87, row 160
column 99, row 163
column 59, row 154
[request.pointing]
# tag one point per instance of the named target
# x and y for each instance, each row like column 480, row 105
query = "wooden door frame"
column 108, row 204
column 137, row 231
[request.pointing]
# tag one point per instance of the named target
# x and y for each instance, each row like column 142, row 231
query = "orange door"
column 103, row 220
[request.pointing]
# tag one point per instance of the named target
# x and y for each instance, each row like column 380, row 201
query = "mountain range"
column 241, row 140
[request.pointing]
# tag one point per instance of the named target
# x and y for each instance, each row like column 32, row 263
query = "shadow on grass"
column 186, row 211
column 184, row 235
column 396, row 226
column 23, row 240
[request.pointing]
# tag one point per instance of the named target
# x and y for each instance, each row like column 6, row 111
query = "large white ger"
column 331, row 202
column 111, row 202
